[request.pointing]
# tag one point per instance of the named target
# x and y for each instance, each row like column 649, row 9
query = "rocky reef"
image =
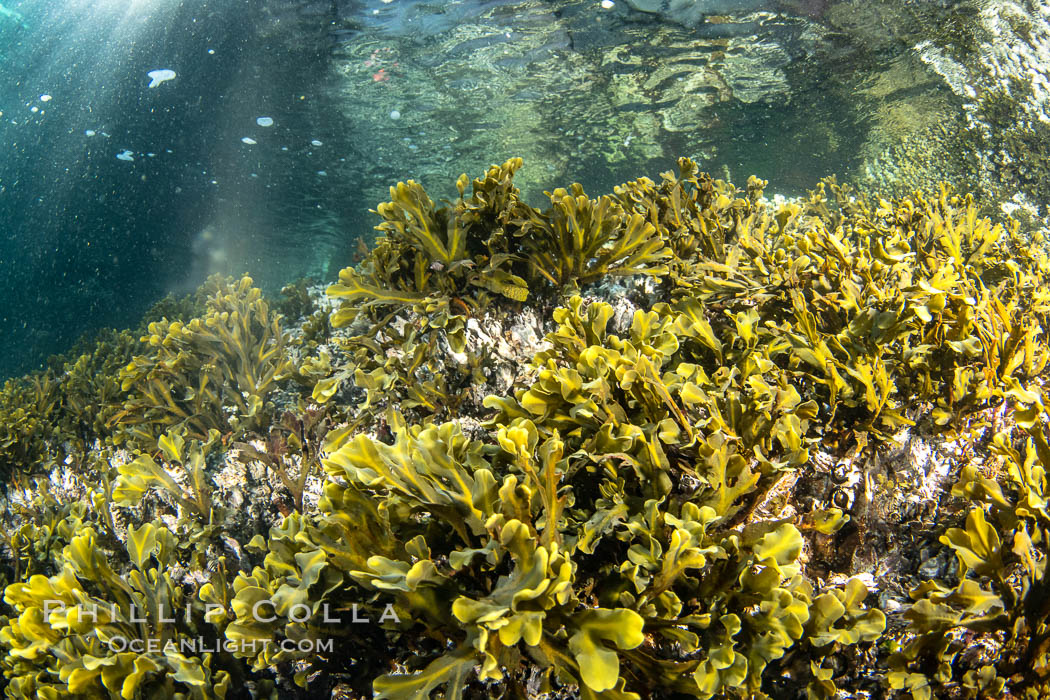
column 678, row 440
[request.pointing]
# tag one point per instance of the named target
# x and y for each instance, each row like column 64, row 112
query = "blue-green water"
column 111, row 191
column 114, row 193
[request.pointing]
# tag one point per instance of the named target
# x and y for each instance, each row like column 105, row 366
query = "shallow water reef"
column 673, row 441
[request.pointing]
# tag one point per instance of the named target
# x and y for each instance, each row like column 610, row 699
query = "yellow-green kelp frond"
column 431, row 255
column 189, row 485
column 28, row 412
column 1001, row 589
column 686, row 484
column 579, row 240
column 212, row 372
column 91, row 389
column 503, row 552
column 291, row 452
column 875, row 304
column 89, row 632
column 439, row 266
column 695, row 214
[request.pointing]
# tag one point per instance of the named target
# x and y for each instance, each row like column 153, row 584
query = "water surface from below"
column 184, row 138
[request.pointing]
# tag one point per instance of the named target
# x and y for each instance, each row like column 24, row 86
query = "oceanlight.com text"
column 200, row 645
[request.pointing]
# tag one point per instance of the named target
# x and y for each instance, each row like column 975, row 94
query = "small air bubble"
column 160, row 76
